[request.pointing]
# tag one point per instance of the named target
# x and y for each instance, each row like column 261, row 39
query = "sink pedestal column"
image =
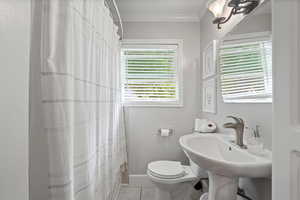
column 222, row 187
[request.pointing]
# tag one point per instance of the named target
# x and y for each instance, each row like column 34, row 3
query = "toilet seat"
column 166, row 169
column 178, row 173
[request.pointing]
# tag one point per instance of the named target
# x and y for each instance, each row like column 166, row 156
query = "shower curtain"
column 82, row 114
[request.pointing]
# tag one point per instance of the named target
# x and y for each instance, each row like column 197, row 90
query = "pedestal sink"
column 225, row 163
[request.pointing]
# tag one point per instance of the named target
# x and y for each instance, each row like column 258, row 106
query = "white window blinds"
column 246, row 71
column 150, row 74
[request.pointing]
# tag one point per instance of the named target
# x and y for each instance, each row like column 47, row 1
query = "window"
column 151, row 74
column 246, row 70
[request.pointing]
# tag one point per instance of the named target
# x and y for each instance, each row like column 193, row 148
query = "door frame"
column 286, row 98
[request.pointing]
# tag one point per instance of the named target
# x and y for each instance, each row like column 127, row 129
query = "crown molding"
column 160, row 18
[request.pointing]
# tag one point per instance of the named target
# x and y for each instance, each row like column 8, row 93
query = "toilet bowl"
column 170, row 176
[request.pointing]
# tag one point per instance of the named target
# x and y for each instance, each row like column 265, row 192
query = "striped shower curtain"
column 83, row 117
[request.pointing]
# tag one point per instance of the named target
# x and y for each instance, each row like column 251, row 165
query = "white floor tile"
column 130, row 193
column 148, row 193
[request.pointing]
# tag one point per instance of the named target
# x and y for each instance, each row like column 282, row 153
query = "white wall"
column 254, row 23
column 253, row 114
column 142, row 123
column 14, row 87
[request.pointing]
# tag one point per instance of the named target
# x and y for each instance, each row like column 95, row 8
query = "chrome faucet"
column 238, row 126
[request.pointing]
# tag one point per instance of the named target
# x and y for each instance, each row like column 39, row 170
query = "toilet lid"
column 166, row 169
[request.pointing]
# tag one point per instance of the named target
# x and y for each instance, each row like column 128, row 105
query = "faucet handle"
column 241, row 121
column 237, row 120
column 256, row 132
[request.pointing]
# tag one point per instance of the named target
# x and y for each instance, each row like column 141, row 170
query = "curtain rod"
column 114, row 4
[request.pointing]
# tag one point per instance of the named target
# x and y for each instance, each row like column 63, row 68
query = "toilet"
column 170, row 176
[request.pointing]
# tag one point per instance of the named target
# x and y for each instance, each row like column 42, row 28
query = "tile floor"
column 142, row 193
column 136, row 193
column 147, row 193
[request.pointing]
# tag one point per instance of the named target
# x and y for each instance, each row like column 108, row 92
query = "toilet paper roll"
column 198, row 124
column 208, row 127
column 164, row 132
column 205, row 126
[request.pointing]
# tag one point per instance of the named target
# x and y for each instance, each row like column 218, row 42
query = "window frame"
column 179, row 72
column 248, row 37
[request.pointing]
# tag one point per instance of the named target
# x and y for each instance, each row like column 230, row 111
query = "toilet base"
column 173, row 188
column 164, row 191
column 178, row 191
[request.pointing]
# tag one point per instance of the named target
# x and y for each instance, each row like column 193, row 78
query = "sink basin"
column 225, row 162
column 216, row 153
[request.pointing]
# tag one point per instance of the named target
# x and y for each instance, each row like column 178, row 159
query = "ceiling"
column 170, row 10
column 161, row 10
column 265, row 8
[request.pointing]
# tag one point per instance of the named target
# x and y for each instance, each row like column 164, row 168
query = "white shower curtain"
column 83, row 117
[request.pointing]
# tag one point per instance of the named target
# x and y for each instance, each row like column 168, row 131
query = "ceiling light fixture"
column 224, row 9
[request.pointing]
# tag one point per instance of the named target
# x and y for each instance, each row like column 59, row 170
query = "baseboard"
column 139, row 180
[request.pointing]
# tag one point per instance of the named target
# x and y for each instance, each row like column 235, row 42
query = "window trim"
column 179, row 43
column 247, row 37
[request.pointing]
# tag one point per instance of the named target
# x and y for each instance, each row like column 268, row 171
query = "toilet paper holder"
column 171, row 131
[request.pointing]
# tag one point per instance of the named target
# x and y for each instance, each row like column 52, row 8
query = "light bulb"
column 217, row 7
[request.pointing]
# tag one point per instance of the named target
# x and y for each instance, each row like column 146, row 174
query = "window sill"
column 152, row 105
column 249, row 101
